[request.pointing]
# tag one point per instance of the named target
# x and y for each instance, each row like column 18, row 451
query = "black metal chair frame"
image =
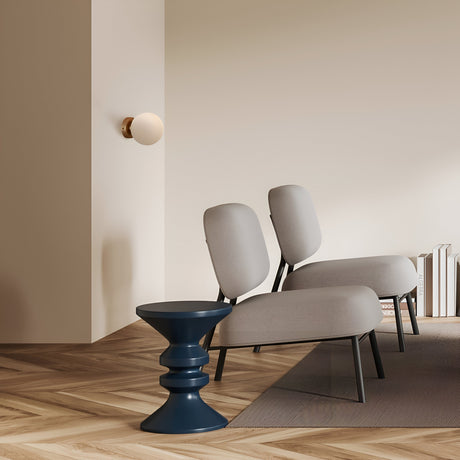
column 355, row 341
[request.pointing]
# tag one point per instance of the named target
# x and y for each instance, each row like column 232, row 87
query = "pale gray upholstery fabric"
column 386, row 275
column 295, row 222
column 308, row 314
column 298, row 233
column 237, row 248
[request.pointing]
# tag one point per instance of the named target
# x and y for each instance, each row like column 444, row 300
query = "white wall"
column 127, row 178
column 356, row 100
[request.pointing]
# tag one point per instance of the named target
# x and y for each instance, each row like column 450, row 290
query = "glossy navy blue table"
column 183, row 323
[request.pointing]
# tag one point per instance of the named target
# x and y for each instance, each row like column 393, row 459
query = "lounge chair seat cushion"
column 307, row 314
column 386, row 275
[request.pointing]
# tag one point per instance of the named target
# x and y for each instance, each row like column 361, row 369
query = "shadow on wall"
column 117, row 278
column 13, row 312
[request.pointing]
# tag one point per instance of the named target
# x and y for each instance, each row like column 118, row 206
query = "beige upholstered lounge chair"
column 240, row 259
column 299, row 237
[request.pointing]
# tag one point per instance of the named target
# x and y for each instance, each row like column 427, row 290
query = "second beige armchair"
column 299, row 237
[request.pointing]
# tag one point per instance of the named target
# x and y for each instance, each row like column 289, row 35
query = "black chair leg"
column 208, row 339
column 376, row 353
column 220, row 364
column 413, row 319
column 358, row 369
column 399, row 325
column 256, row 349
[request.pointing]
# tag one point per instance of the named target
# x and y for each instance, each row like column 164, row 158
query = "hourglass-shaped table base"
column 183, row 324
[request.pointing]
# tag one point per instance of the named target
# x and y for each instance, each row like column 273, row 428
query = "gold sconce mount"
column 126, row 127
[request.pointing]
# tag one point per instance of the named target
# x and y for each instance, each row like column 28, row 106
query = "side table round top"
column 183, row 309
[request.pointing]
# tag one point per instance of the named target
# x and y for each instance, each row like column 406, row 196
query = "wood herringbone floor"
column 86, row 402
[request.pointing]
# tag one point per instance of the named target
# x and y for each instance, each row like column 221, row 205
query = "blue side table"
column 183, row 323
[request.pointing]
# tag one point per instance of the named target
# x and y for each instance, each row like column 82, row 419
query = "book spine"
column 429, row 285
column 436, row 250
column 444, row 252
column 452, row 284
column 421, row 276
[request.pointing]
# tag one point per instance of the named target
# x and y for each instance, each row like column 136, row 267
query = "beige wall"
column 356, row 100
column 127, row 178
column 82, row 208
column 45, row 170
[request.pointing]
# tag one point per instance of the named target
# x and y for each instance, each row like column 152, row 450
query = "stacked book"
column 437, row 282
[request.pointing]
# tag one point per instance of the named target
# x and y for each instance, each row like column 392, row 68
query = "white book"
column 452, row 262
column 421, row 285
column 436, row 250
column 429, row 285
column 425, row 284
column 444, row 253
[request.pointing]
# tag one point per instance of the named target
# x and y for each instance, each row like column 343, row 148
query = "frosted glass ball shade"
column 147, row 128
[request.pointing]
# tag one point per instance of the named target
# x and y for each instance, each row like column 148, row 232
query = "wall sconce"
column 146, row 128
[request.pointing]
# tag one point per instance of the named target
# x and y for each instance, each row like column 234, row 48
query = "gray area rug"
column 421, row 388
